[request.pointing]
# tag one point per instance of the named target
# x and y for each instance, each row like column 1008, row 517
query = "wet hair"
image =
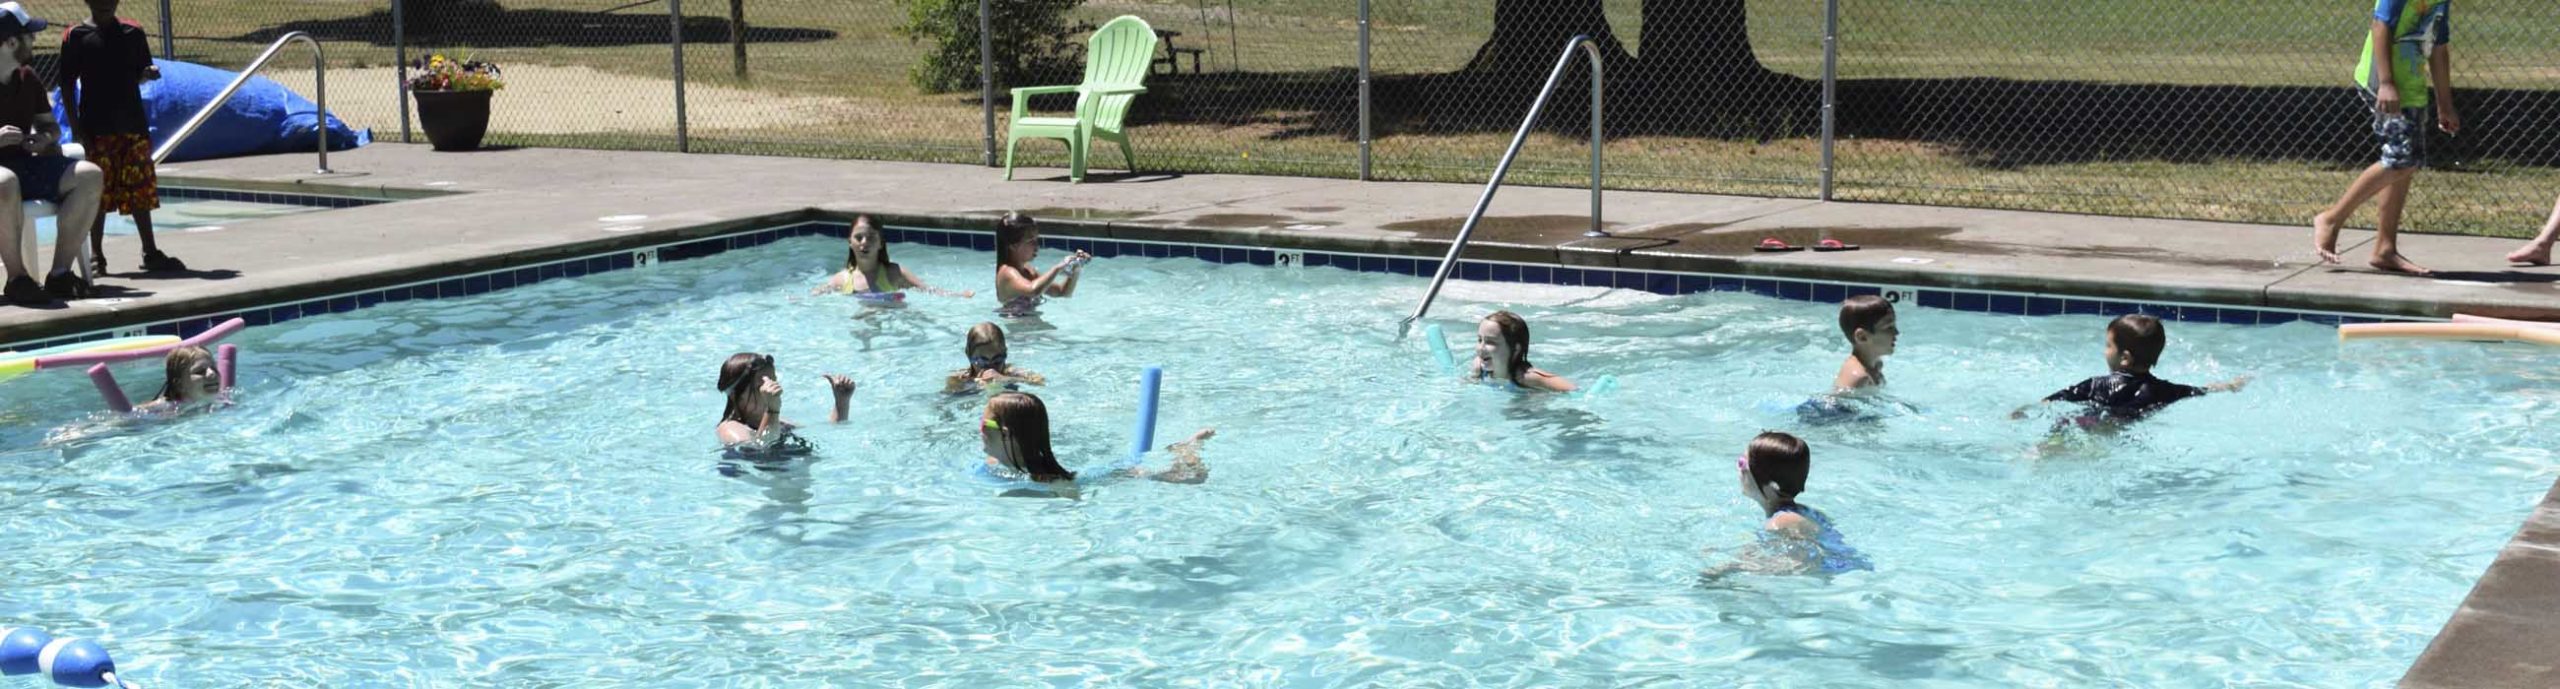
column 737, row 378
column 981, row 334
column 1015, row 227
column 1516, row 333
column 1863, row 311
column 2139, row 336
column 181, row 364
column 1781, row 459
column 852, row 258
column 1025, row 426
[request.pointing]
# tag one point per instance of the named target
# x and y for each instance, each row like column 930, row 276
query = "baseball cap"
column 14, row 20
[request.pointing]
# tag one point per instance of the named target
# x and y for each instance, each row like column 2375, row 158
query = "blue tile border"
column 1665, row 283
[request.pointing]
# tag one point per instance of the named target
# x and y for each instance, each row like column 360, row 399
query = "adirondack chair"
column 1115, row 64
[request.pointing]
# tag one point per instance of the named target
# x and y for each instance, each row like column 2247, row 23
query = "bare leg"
column 11, row 222
column 2538, row 251
column 2325, row 224
column 98, row 245
column 2386, row 228
column 79, row 211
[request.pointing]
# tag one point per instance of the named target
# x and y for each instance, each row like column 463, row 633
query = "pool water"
column 520, row 489
column 179, row 214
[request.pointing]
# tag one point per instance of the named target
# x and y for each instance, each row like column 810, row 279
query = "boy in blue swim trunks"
column 2405, row 33
column 2128, row 391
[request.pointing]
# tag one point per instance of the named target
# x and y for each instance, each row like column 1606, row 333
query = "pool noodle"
column 1440, row 348
column 22, row 362
column 1145, row 434
column 2468, row 318
column 227, row 361
column 2450, row 331
column 107, row 388
column 85, row 358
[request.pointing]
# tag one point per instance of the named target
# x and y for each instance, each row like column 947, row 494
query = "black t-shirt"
column 22, row 100
column 2126, row 395
column 106, row 64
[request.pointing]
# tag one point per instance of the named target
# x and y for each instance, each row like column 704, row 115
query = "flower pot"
column 454, row 120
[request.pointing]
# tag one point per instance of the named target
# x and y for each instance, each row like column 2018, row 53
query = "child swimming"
column 1868, row 321
column 2128, row 391
column 192, row 380
column 1502, row 355
column 869, row 274
column 987, row 368
column 1014, row 431
column 1794, row 537
column 752, row 420
column 1019, row 288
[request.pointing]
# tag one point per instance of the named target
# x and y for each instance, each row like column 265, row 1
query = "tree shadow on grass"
column 1988, row 123
column 508, row 28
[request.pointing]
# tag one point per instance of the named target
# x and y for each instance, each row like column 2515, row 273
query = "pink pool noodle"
column 201, row 339
column 227, row 360
column 107, row 388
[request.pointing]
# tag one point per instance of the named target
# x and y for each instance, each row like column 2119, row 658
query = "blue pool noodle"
column 1145, row 435
column 1440, row 347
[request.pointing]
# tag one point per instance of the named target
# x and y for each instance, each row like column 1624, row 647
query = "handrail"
column 320, row 89
column 1450, row 263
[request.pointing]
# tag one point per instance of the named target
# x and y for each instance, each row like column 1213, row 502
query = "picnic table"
column 1173, row 53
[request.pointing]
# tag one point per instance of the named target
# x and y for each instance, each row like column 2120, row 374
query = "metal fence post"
column 986, row 83
column 675, row 38
column 1364, row 89
column 168, row 35
column 1830, row 86
column 400, row 57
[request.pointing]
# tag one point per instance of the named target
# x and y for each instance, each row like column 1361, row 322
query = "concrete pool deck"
column 468, row 213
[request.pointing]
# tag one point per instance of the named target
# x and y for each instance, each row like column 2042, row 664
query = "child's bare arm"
column 2440, row 78
column 2233, row 385
column 2386, row 92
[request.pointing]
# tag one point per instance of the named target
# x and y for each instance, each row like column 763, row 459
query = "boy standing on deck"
column 104, row 62
column 2405, row 33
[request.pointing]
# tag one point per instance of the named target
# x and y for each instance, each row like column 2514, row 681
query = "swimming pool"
column 518, row 488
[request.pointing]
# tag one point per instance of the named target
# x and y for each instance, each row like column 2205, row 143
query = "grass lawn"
column 829, row 78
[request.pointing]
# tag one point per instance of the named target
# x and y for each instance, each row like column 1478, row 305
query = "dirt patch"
column 1508, row 229
column 546, row 99
column 1235, row 221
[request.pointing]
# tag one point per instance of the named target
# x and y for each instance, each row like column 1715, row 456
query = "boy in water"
column 1867, row 320
column 104, row 62
column 2129, row 391
column 2405, row 33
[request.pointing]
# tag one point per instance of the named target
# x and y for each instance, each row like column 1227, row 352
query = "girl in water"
column 1502, row 355
column 869, row 275
column 1019, row 288
column 987, row 368
column 1015, row 434
column 752, row 421
column 193, row 381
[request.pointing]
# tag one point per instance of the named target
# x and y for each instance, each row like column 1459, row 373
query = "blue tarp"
column 264, row 117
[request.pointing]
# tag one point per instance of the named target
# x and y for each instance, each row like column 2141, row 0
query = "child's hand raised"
column 842, row 385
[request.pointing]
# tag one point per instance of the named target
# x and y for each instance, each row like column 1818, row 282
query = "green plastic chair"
column 1115, row 64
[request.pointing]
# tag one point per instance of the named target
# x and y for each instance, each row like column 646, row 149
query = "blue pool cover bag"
column 264, row 117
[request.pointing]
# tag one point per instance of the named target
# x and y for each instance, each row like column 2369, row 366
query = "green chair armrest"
column 1113, row 90
column 1022, row 100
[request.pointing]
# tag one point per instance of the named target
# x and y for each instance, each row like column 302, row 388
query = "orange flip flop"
column 1834, row 245
column 1775, row 245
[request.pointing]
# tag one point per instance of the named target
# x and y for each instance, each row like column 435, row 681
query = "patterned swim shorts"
column 2403, row 139
column 132, row 185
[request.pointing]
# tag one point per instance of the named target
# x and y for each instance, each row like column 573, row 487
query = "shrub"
column 1034, row 43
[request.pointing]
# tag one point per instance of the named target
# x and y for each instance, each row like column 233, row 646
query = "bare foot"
column 1197, row 438
column 2394, row 262
column 2324, row 237
column 2532, row 255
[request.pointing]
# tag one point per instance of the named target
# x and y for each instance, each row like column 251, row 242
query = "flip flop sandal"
column 1775, row 245
column 1834, row 245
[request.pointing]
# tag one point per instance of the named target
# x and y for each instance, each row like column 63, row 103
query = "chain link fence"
column 2167, row 108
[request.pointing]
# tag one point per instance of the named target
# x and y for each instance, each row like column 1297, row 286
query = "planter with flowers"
column 453, row 100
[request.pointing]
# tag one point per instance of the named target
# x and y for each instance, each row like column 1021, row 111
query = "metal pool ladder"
column 1536, row 108
column 320, row 91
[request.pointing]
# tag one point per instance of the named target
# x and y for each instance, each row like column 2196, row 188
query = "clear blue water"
column 184, row 215
column 519, row 489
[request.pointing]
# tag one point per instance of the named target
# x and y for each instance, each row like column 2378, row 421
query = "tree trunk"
column 1700, row 76
column 1528, row 34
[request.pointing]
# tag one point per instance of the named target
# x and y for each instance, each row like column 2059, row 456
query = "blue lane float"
column 70, row 662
